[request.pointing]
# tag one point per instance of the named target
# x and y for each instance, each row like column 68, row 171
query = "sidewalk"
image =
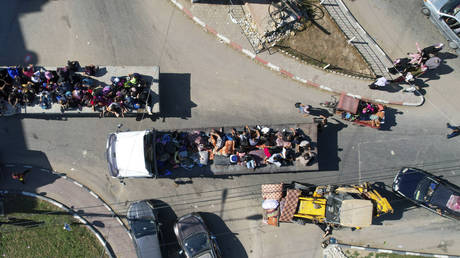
column 77, row 197
column 216, row 20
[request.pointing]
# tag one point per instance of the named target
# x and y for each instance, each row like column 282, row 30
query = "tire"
column 426, row 11
column 453, row 45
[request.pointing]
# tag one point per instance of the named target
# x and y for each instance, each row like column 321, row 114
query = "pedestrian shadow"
column 390, row 118
column 328, row 149
column 435, row 74
column 391, row 88
column 227, row 241
column 175, row 96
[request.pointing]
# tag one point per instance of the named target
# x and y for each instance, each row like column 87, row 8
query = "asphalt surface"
column 212, row 85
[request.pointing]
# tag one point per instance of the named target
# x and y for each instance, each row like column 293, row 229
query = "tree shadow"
column 229, row 244
column 175, row 96
column 328, row 157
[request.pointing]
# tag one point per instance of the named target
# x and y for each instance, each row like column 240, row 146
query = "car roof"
column 147, row 245
column 189, row 225
column 140, row 210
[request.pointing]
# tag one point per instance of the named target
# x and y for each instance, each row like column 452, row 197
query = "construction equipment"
column 348, row 205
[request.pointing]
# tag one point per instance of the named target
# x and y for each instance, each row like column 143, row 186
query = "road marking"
column 248, row 53
column 93, row 194
column 197, row 20
column 274, row 67
column 223, row 38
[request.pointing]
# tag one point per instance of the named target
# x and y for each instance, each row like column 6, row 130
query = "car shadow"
column 229, row 244
column 167, row 217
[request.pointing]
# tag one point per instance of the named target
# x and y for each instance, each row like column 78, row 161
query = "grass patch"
column 35, row 228
column 364, row 254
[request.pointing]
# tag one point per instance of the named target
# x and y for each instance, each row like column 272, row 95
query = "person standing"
column 455, row 131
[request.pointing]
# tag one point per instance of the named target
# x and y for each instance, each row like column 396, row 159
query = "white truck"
column 135, row 154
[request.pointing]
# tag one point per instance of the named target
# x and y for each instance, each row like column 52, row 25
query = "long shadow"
column 167, row 217
column 398, row 203
column 228, row 243
column 328, row 149
column 390, row 119
column 13, row 49
column 175, row 96
column 435, row 74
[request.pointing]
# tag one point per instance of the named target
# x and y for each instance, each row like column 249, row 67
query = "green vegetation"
column 362, row 254
column 34, row 228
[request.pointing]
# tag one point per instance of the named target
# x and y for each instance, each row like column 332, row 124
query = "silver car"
column 446, row 15
column 144, row 229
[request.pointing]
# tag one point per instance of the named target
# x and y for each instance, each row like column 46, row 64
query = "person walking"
column 303, row 109
column 455, row 131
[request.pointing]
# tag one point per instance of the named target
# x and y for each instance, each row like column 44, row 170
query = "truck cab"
column 131, row 154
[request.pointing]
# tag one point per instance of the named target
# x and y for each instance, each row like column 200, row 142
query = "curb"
column 98, row 235
column 62, row 175
column 391, row 251
column 276, row 68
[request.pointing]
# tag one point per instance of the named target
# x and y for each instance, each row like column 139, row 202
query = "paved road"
column 217, row 86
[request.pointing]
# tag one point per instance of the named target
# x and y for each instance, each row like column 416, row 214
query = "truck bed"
column 212, row 170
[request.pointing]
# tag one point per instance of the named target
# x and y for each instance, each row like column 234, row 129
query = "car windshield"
column 451, row 7
column 111, row 158
column 143, row 227
column 148, row 151
column 425, row 190
column 196, row 244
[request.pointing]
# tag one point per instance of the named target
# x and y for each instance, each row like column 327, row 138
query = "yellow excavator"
column 347, row 205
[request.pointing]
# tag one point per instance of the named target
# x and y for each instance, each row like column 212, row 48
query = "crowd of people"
column 251, row 147
column 417, row 63
column 72, row 87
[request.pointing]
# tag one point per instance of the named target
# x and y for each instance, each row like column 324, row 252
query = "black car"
column 144, row 229
column 429, row 191
column 194, row 237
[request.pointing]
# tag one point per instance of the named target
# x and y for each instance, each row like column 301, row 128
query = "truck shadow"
column 175, row 97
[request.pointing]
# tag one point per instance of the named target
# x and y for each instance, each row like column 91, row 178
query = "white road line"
column 75, row 182
column 248, row 53
column 197, row 20
column 93, row 194
column 325, row 88
column 223, row 38
column 107, row 207
column 119, row 221
column 299, row 79
column 274, row 67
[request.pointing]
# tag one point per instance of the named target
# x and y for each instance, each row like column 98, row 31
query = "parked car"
column 144, row 225
column 429, row 191
column 194, row 237
column 445, row 14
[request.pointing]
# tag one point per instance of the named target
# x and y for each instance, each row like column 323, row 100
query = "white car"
column 445, row 14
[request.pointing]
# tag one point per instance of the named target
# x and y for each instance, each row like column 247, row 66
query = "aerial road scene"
column 230, row 128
